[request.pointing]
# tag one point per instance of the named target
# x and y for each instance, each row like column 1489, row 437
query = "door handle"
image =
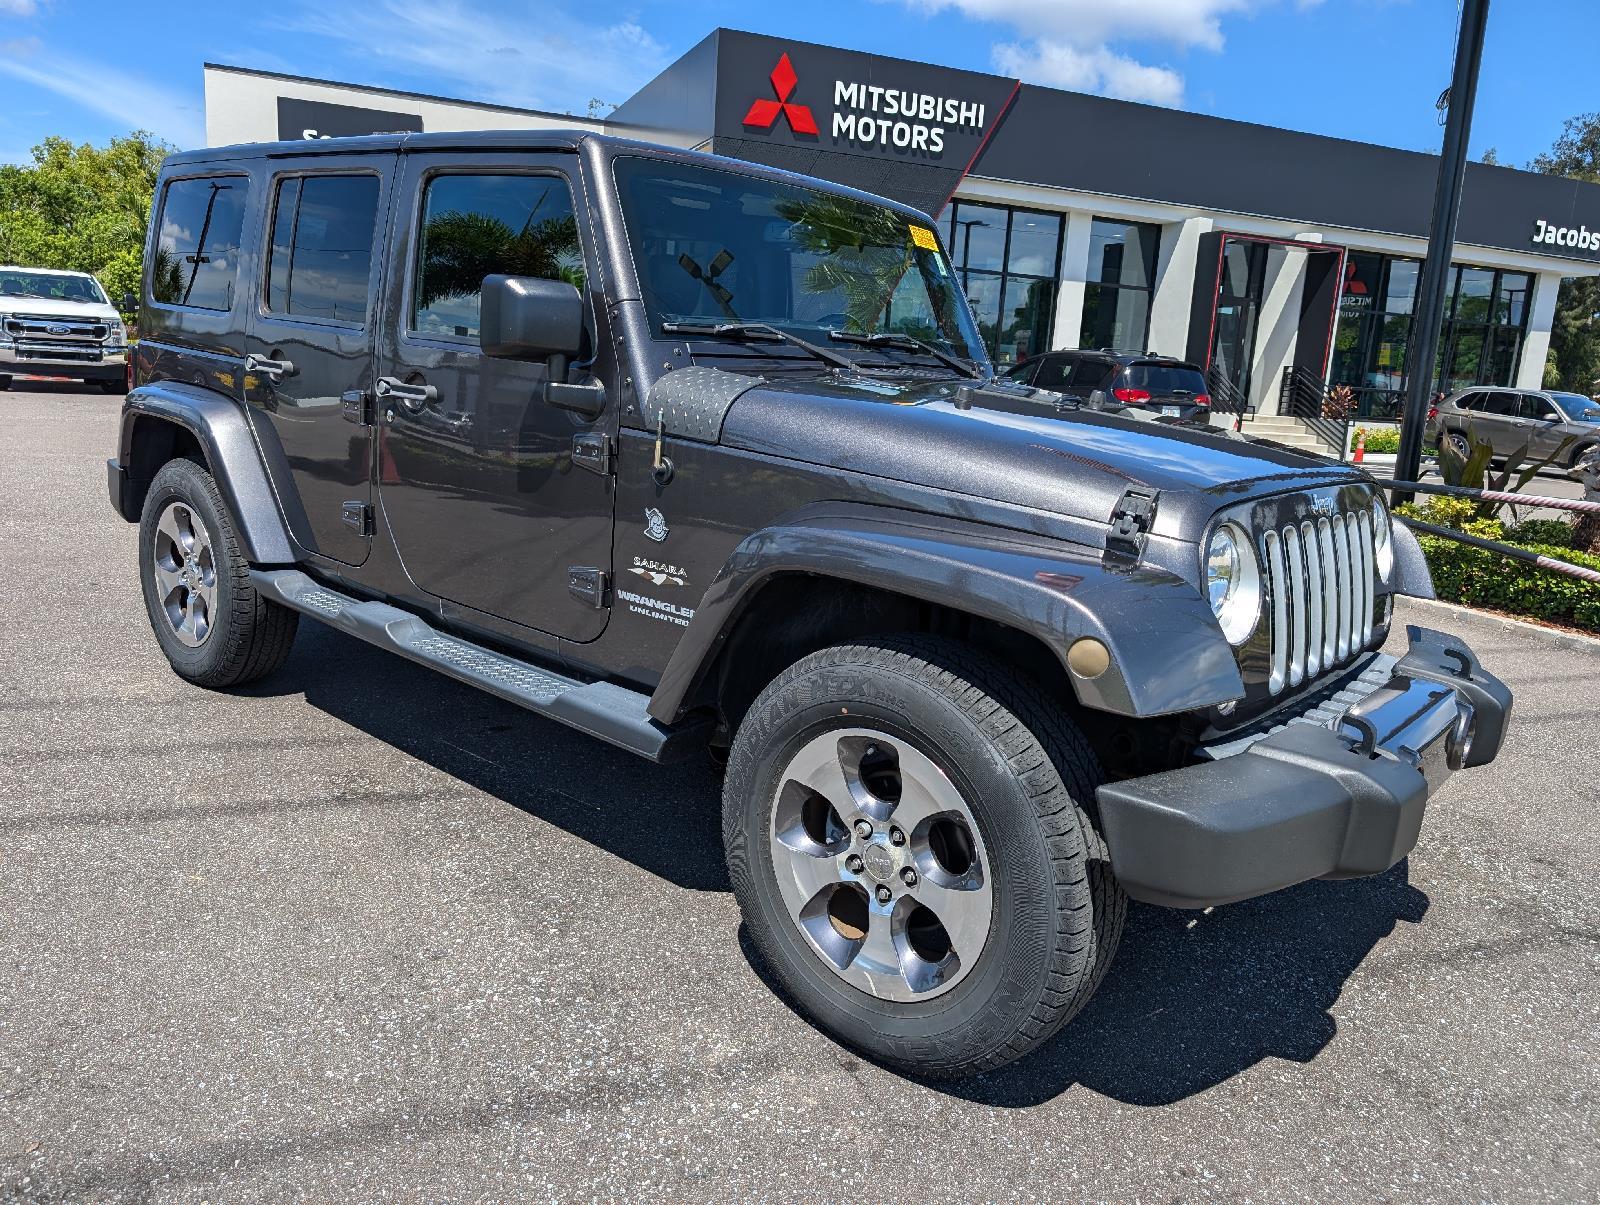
column 271, row 368
column 413, row 397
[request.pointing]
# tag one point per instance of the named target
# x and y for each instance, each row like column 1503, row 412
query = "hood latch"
column 1131, row 521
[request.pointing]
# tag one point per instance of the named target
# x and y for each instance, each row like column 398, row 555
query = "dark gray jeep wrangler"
column 689, row 454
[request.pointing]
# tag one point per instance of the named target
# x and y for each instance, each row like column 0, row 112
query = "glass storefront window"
column 1400, row 293
column 978, row 238
column 1008, row 260
column 1481, row 343
column 1121, row 276
column 1123, row 253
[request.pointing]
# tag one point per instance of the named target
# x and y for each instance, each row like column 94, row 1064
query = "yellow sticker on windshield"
column 922, row 237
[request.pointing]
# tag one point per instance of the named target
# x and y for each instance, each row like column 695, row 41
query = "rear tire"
column 214, row 628
column 970, row 779
column 5, row 383
column 1580, row 453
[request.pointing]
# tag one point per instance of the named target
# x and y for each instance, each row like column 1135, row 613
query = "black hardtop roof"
column 514, row 140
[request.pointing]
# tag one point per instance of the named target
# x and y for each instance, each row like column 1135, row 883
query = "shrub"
column 1555, row 532
column 1480, row 578
column 1382, row 441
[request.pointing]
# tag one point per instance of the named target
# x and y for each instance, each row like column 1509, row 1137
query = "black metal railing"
column 1225, row 399
column 1303, row 395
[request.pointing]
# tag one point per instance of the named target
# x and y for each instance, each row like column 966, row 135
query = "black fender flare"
column 1167, row 654
column 219, row 425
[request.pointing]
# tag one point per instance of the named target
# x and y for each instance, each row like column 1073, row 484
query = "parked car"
column 60, row 325
column 1548, row 422
column 625, row 435
column 1138, row 380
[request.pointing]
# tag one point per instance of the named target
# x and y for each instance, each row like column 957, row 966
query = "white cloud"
column 133, row 101
column 552, row 60
column 1098, row 69
column 1068, row 43
column 19, row 8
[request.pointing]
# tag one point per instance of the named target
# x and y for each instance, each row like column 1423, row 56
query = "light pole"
column 1424, row 349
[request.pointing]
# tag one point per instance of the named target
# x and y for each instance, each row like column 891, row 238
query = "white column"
column 1536, row 344
column 1074, row 272
column 1278, row 325
column 1174, row 292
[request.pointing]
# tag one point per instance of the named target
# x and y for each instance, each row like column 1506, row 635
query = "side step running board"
column 602, row 709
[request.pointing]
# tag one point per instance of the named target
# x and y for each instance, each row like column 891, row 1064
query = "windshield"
column 716, row 246
column 1578, row 408
column 65, row 286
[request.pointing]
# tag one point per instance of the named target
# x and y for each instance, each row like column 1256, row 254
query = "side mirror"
column 528, row 318
column 525, row 318
column 129, row 304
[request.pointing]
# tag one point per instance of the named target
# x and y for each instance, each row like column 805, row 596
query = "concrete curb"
column 1575, row 641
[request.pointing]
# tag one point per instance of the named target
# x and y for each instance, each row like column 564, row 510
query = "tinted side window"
column 477, row 226
column 322, row 233
column 1470, row 401
column 1056, row 372
column 1499, row 403
column 197, row 242
column 1023, row 371
column 1534, row 406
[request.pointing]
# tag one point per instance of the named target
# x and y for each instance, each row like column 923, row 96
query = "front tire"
column 214, row 628
column 910, row 835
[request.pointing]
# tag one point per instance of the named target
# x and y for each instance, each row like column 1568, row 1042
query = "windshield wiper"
column 908, row 343
column 755, row 332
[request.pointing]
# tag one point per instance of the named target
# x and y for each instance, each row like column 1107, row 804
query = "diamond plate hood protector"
column 1012, row 447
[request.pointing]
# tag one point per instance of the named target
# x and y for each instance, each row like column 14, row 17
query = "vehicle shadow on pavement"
column 665, row 819
column 1194, row 998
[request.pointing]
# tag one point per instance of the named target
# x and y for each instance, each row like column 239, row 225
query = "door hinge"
column 357, row 516
column 592, row 450
column 358, row 406
column 1131, row 521
column 592, row 587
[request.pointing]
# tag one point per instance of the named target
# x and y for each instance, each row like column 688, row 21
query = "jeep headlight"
column 1382, row 541
column 1233, row 582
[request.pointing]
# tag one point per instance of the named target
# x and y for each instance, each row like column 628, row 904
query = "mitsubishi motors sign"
column 819, row 97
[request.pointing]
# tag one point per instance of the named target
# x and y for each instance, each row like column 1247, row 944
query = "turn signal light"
column 1131, row 395
column 1202, row 399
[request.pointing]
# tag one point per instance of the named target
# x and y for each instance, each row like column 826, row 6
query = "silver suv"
column 1544, row 420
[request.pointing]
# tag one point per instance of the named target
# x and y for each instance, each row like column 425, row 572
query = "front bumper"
column 1329, row 795
column 94, row 362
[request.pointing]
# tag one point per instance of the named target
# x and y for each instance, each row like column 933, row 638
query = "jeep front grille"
column 1320, row 593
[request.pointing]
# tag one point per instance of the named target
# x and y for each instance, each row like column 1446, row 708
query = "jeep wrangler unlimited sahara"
column 687, row 453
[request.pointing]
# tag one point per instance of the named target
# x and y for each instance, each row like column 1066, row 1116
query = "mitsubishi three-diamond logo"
column 763, row 114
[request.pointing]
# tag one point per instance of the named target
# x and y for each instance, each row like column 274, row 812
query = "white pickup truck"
column 61, row 325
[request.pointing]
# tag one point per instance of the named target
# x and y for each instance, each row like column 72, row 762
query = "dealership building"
column 1280, row 261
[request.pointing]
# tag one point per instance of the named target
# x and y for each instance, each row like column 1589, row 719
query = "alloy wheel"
column 185, row 573
column 880, row 864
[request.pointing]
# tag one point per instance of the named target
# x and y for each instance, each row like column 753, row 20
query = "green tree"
column 1574, row 360
column 82, row 207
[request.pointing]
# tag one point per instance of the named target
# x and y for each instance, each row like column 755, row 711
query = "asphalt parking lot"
column 362, row 933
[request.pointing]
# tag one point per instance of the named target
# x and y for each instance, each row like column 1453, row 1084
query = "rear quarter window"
column 196, row 261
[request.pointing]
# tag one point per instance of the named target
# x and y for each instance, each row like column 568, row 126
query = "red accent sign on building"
column 764, row 113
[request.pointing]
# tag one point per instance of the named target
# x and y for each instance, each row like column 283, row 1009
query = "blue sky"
column 1364, row 69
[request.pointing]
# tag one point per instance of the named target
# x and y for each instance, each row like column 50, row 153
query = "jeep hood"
column 1018, row 446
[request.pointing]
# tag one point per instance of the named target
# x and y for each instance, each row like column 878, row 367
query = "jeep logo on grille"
column 57, row 328
column 1322, row 506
